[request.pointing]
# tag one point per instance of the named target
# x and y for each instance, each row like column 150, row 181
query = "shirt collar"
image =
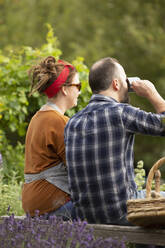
column 99, row 97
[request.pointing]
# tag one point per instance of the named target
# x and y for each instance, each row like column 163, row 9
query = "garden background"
column 80, row 32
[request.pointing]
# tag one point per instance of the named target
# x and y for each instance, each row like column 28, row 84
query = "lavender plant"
column 38, row 232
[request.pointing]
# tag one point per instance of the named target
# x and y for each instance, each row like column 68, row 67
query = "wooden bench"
column 131, row 234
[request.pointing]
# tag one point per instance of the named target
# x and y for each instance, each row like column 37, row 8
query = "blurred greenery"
column 131, row 31
column 140, row 175
column 141, row 180
column 10, row 195
column 16, row 109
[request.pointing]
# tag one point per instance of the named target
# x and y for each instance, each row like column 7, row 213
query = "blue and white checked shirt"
column 99, row 153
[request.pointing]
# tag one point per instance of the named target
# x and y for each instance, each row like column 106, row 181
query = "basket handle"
column 157, row 181
column 151, row 174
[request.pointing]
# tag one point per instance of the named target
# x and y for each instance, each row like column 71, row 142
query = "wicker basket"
column 149, row 212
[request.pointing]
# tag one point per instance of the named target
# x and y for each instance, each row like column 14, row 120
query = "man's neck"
column 109, row 94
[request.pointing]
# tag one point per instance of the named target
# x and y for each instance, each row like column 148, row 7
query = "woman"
column 46, row 184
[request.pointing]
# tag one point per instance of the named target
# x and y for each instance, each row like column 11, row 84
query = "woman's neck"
column 54, row 106
column 57, row 104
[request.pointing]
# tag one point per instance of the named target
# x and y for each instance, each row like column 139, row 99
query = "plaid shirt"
column 99, row 153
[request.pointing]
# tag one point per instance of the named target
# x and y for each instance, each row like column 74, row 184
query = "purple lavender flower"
column 8, row 209
column 39, row 232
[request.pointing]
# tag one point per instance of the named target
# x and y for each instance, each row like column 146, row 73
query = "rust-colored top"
column 44, row 148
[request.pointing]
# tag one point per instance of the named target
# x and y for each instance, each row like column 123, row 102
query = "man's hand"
column 146, row 89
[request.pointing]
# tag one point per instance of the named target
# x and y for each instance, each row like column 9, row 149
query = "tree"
column 131, row 31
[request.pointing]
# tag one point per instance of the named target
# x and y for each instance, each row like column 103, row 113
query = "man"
column 99, row 143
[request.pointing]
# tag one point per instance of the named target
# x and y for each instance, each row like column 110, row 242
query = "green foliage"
column 13, row 162
column 10, row 196
column 140, row 175
column 85, row 90
column 131, row 31
column 16, row 109
column 162, row 187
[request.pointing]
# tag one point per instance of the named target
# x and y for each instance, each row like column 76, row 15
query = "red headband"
column 55, row 86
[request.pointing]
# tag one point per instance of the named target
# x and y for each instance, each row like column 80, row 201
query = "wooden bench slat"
column 132, row 234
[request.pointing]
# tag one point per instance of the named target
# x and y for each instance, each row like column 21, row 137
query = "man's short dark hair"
column 101, row 74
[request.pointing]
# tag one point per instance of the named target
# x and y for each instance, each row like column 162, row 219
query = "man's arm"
column 146, row 89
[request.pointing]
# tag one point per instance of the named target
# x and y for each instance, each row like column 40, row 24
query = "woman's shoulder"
column 53, row 116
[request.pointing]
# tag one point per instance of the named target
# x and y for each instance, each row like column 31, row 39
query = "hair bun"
column 50, row 62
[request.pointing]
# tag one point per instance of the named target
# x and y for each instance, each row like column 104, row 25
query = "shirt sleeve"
column 139, row 121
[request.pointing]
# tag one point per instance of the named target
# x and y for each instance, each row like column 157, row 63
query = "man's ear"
column 64, row 91
column 115, row 84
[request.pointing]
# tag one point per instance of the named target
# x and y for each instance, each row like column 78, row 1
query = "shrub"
column 140, row 177
column 16, row 109
column 10, row 195
column 53, row 233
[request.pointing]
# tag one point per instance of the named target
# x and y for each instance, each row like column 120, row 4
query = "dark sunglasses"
column 77, row 85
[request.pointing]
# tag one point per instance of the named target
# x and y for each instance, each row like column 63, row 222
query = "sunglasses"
column 76, row 85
